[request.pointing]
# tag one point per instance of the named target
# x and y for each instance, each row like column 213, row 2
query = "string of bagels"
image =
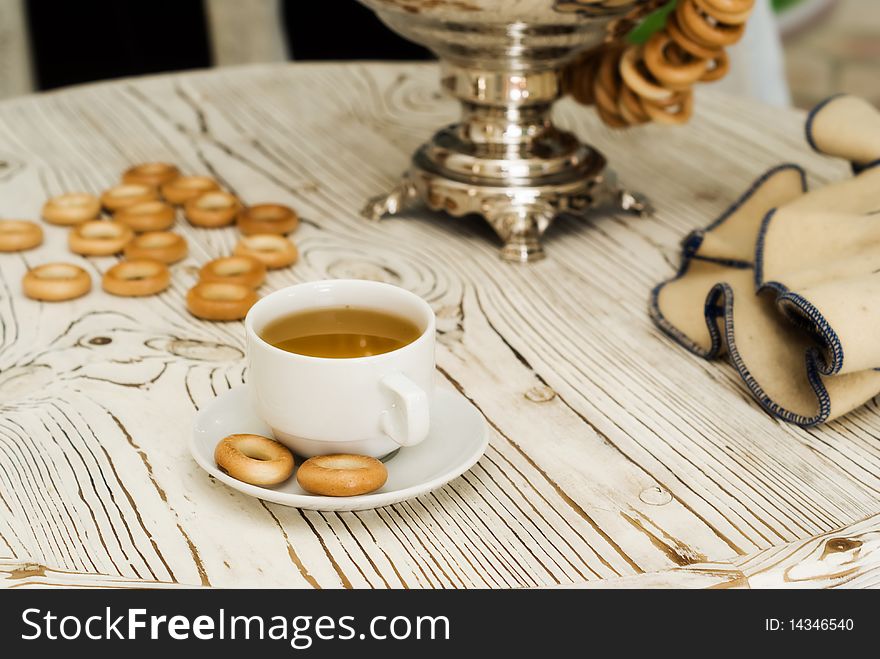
column 636, row 83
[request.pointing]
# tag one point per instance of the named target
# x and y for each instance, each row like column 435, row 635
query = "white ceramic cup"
column 363, row 405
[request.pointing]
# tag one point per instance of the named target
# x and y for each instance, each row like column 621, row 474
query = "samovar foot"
column 608, row 193
column 391, row 203
column 520, row 226
column 633, row 202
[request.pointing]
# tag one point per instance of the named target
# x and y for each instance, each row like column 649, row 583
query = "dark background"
column 84, row 40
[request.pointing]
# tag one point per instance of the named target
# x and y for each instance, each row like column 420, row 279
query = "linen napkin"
column 786, row 282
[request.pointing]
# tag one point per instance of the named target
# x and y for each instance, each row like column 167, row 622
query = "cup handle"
column 411, row 411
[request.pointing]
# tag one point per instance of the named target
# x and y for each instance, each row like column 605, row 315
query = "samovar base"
column 519, row 214
column 506, row 160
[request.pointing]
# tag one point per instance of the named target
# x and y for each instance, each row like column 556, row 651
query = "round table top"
column 615, row 457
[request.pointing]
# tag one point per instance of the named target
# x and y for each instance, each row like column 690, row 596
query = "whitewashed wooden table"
column 616, row 458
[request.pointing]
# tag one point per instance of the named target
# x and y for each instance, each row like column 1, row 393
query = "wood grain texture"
column 15, row 574
column 843, row 558
column 613, row 452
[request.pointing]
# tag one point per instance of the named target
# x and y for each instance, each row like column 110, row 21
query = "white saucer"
column 456, row 441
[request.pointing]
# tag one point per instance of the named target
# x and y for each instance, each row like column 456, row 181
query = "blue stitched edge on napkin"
column 724, row 291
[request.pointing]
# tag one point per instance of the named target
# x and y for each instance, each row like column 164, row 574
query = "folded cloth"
column 786, row 282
